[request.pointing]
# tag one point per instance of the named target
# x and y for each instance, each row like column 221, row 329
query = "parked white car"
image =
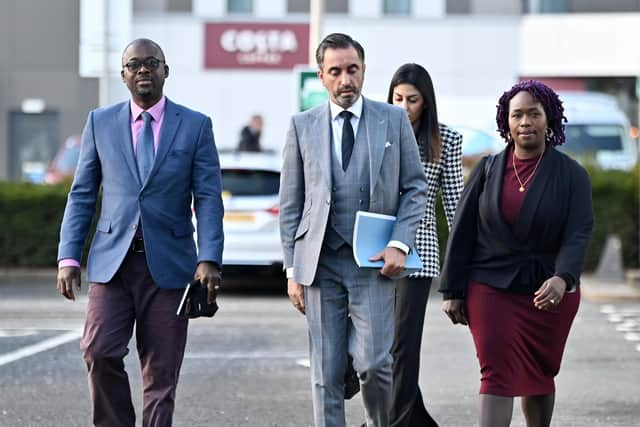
column 477, row 143
column 598, row 131
column 250, row 184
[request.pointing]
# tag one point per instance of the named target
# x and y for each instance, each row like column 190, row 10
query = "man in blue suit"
column 151, row 158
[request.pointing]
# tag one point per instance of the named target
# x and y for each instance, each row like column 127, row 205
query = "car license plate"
column 239, row 217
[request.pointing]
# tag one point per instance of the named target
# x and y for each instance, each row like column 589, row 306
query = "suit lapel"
column 494, row 189
column 375, row 126
column 123, row 124
column 322, row 143
column 534, row 194
column 170, row 125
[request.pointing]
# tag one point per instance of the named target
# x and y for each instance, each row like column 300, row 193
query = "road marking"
column 632, row 336
column 304, row 362
column 247, row 355
column 45, row 345
column 14, row 333
column 607, row 309
column 628, row 326
column 627, row 321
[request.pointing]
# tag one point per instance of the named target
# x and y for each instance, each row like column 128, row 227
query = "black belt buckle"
column 137, row 245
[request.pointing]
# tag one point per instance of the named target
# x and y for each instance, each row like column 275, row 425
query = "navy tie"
column 348, row 138
column 144, row 149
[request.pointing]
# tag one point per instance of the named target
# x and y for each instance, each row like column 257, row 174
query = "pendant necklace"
column 515, row 170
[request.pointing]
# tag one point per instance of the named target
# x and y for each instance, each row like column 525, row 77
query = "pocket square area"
column 387, row 144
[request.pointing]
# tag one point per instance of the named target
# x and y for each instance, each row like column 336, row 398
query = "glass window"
column 179, row 6
column 397, row 7
column 583, row 139
column 240, row 6
column 298, row 6
column 145, row 6
column 458, row 7
column 554, row 6
column 330, row 6
column 250, row 182
column 336, row 6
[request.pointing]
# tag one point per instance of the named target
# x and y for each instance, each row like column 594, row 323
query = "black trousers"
column 407, row 408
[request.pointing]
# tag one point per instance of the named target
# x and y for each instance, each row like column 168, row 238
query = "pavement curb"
column 599, row 290
column 15, row 276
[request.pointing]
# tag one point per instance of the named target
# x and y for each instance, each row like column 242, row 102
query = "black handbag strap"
column 487, row 165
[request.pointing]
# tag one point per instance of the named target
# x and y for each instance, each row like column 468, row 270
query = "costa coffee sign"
column 252, row 45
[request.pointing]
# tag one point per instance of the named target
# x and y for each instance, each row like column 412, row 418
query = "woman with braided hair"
column 515, row 255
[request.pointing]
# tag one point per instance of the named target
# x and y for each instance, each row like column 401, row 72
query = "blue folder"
column 371, row 234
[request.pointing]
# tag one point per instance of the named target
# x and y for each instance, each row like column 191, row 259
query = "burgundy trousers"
column 132, row 297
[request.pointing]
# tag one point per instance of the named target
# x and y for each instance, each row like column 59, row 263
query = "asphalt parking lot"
column 247, row 365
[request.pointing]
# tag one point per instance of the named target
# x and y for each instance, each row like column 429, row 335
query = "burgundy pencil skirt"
column 518, row 346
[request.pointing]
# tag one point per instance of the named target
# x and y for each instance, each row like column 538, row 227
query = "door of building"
column 33, row 141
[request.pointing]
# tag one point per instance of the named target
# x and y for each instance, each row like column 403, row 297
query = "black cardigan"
column 550, row 237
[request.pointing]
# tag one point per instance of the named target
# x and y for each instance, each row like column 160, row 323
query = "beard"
column 346, row 100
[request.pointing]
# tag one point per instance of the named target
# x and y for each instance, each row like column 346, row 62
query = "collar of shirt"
column 156, row 111
column 336, row 124
column 356, row 109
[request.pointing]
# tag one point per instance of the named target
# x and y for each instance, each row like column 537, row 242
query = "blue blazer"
column 186, row 166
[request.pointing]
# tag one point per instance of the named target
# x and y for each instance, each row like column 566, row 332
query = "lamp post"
column 316, row 10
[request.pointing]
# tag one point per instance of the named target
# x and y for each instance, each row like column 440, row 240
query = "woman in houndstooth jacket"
column 441, row 151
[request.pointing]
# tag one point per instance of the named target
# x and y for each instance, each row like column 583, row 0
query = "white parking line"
column 45, row 345
column 246, row 355
column 627, row 321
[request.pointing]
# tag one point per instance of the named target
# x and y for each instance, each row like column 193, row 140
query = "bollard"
column 610, row 266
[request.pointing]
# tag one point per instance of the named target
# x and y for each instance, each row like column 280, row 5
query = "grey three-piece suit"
column 318, row 202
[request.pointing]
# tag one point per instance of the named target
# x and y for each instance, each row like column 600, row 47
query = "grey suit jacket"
column 397, row 182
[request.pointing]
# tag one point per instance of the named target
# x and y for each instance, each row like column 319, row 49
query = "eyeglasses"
column 150, row 64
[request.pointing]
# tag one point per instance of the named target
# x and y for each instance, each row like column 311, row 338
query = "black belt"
column 137, row 245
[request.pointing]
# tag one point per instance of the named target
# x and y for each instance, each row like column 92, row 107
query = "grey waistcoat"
column 349, row 191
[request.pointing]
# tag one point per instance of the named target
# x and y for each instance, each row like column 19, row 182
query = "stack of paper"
column 371, row 234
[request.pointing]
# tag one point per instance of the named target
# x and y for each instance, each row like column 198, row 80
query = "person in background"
column 440, row 150
column 250, row 135
column 515, row 255
column 149, row 158
column 346, row 155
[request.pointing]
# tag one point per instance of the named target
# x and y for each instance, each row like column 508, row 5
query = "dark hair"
column 337, row 41
column 428, row 134
column 144, row 41
column 544, row 95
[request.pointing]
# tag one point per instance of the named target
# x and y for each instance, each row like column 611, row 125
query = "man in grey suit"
column 347, row 155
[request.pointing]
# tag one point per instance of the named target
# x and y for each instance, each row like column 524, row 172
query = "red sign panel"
column 255, row 45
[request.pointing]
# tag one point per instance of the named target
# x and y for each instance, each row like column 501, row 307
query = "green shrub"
column 616, row 209
column 30, row 218
column 30, row 223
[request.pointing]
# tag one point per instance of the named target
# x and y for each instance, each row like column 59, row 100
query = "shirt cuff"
column 68, row 262
column 290, row 273
column 398, row 245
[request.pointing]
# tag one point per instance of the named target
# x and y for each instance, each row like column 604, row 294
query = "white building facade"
column 474, row 50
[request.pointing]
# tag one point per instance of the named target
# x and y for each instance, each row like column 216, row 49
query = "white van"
column 598, row 131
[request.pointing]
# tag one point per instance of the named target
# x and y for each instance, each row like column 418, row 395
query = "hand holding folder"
column 371, row 234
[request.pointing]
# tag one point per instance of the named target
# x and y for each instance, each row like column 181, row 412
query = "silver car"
column 250, row 183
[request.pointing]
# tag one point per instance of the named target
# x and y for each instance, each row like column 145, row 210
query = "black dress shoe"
column 351, row 380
